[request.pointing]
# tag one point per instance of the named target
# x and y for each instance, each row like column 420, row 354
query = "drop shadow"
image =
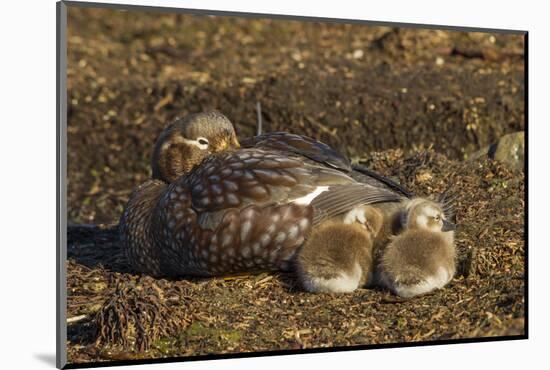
column 46, row 358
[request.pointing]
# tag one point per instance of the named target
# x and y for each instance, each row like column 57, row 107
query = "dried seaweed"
column 137, row 313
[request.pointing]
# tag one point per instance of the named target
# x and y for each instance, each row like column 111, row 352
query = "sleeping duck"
column 215, row 207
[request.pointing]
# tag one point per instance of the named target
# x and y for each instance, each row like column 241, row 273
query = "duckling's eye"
column 437, row 218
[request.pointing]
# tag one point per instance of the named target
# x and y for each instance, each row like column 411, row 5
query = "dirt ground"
column 411, row 104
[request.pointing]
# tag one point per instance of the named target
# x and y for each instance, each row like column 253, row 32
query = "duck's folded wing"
column 339, row 199
column 367, row 176
column 323, row 154
column 255, row 176
column 301, row 145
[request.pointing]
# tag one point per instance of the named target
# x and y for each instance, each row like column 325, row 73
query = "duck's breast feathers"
column 142, row 202
column 135, row 226
column 238, row 178
column 301, row 146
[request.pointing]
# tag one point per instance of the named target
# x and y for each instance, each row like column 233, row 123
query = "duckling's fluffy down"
column 336, row 258
column 417, row 262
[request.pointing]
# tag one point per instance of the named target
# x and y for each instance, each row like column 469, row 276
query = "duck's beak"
column 227, row 143
column 448, row 226
column 234, row 142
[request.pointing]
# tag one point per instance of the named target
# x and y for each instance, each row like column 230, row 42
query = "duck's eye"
column 437, row 218
column 202, row 143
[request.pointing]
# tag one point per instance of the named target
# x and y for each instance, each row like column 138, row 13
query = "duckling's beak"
column 448, row 226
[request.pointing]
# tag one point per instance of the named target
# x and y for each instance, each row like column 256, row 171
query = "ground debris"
column 260, row 312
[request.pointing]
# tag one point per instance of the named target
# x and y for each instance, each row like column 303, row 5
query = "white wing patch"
column 307, row 199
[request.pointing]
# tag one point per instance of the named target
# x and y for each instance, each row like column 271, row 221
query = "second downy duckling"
column 337, row 257
column 422, row 257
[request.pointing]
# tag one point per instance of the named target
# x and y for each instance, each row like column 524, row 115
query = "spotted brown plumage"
column 239, row 178
column 236, row 209
column 309, row 149
column 250, row 238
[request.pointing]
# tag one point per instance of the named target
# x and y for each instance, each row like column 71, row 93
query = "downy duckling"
column 337, row 257
column 422, row 257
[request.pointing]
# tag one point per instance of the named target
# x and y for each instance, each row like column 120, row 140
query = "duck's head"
column 184, row 143
column 426, row 214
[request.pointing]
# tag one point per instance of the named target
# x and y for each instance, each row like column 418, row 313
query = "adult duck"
column 215, row 207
